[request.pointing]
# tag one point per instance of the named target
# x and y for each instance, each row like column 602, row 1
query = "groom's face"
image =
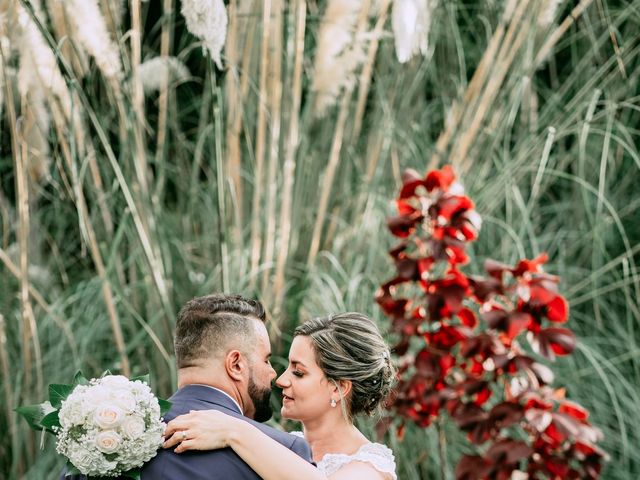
column 261, row 376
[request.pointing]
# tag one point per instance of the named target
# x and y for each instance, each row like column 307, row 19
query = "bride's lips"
column 286, row 399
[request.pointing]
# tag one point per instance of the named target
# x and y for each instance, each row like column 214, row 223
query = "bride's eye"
column 297, row 374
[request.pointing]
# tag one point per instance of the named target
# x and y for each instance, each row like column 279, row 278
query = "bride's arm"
column 211, row 429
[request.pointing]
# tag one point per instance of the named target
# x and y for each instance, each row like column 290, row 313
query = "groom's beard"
column 261, row 401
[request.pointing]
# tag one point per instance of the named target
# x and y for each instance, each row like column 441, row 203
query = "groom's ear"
column 235, row 365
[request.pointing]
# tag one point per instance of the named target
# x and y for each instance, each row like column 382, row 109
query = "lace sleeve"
column 377, row 455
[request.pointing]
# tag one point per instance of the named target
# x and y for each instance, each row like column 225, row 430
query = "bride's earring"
column 333, row 403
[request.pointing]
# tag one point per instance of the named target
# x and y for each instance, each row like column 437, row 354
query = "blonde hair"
column 349, row 346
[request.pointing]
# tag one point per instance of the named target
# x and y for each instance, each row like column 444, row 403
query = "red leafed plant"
column 462, row 343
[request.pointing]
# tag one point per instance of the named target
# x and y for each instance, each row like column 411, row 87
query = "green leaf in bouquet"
column 142, row 378
column 165, row 406
column 80, row 379
column 58, row 393
column 51, row 420
column 105, row 373
column 34, row 414
column 135, row 474
column 71, row 469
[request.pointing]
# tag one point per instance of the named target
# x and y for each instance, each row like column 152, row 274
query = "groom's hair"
column 207, row 326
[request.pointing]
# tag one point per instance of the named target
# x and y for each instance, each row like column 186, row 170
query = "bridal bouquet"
column 107, row 427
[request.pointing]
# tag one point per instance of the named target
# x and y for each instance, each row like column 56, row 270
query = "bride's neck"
column 332, row 434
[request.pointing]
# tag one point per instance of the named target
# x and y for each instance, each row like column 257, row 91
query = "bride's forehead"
column 301, row 346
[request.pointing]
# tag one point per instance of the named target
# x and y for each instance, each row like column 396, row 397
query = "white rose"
column 81, row 457
column 97, row 394
column 124, row 399
column 71, row 412
column 108, row 442
column 140, row 389
column 133, row 427
column 108, row 416
column 115, row 381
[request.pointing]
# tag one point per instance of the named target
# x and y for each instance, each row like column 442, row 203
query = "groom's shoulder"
column 212, row 464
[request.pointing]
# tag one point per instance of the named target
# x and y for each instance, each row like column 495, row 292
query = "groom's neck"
column 211, row 376
column 202, row 376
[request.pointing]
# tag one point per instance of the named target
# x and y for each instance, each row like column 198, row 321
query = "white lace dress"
column 378, row 455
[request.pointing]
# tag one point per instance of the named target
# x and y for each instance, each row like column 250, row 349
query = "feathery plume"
column 35, row 132
column 548, row 12
column 91, row 32
column 160, row 70
column 207, row 20
column 338, row 54
column 411, row 22
column 61, row 28
column 38, row 67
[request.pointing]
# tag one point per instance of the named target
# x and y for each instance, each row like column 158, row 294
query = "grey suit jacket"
column 213, row 464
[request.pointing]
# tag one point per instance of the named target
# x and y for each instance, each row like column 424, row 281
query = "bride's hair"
column 348, row 346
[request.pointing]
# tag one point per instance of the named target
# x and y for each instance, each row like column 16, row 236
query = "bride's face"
column 306, row 392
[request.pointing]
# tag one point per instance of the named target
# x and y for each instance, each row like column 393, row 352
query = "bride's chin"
column 285, row 414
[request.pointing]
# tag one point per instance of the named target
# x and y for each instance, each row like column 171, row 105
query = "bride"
column 339, row 367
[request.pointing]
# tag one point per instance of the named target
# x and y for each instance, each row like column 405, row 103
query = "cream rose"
column 108, row 442
column 108, row 416
column 133, row 427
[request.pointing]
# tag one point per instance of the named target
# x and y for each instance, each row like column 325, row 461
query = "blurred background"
column 151, row 152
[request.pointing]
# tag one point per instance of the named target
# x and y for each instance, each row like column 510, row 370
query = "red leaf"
column 482, row 397
column 574, row 410
column 446, row 362
column 540, row 294
column 407, row 268
column 441, row 179
column 424, row 266
column 404, row 207
column 509, row 451
column 550, row 341
column 517, row 323
column 554, row 435
column 495, row 268
column 403, row 225
column 472, row 467
column 537, row 404
column 467, row 317
column 410, row 181
column 531, row 266
column 447, row 207
column 558, row 309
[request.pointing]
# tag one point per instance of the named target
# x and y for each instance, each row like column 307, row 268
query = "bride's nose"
column 283, row 381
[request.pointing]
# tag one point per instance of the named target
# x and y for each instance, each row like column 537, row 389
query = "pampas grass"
column 38, row 66
column 548, row 11
column 339, row 53
column 207, row 20
column 411, row 22
column 158, row 71
column 91, row 32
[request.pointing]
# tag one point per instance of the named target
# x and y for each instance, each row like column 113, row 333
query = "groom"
column 222, row 351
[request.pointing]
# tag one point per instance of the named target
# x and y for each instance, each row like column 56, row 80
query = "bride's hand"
column 199, row 430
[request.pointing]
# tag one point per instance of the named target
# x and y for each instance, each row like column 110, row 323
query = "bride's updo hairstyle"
column 348, row 346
